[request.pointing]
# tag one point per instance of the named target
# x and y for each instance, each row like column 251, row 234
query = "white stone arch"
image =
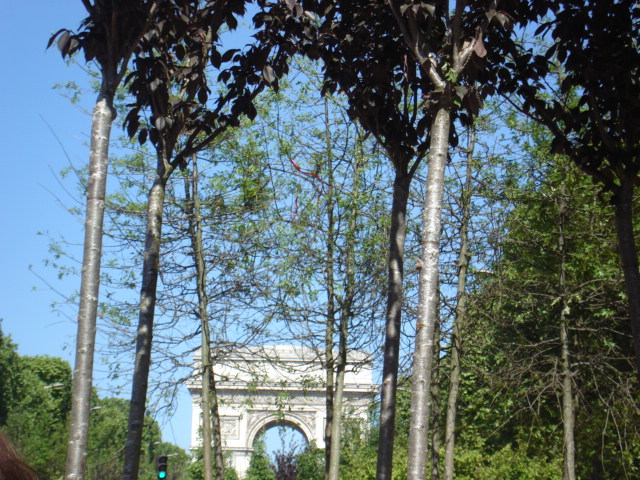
column 270, row 419
column 260, row 387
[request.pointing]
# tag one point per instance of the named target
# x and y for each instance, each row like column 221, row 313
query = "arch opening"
column 282, row 437
column 277, row 444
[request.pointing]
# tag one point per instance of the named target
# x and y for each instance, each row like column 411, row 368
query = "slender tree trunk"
column 195, row 234
column 345, row 317
column 428, row 295
column 331, row 299
column 392, row 330
column 205, row 404
column 436, row 431
column 460, row 316
column 113, row 68
column 334, row 457
column 216, row 428
column 150, row 270
column 102, row 119
column 330, row 379
column 629, row 257
column 568, row 408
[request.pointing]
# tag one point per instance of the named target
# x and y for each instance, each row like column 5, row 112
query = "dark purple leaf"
column 216, row 58
column 142, row 136
column 203, row 95
column 53, row 37
column 63, row 42
column 268, row 75
column 228, row 55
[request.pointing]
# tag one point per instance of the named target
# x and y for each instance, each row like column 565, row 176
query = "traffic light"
column 162, row 467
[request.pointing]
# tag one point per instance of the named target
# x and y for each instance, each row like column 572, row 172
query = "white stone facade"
column 275, row 385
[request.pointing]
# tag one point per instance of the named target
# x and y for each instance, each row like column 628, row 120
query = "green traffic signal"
column 162, row 467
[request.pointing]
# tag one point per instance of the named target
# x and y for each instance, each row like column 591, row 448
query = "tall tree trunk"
column 436, row 431
column 389, row 385
column 334, row 457
column 150, row 270
column 428, row 294
column 460, row 315
column 629, row 257
column 216, row 429
column 329, row 377
column 345, row 318
column 102, row 120
column 331, row 299
column 105, row 18
column 568, row 407
column 195, row 234
column 205, row 402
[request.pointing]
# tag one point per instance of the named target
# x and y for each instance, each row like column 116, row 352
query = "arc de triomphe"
column 275, row 385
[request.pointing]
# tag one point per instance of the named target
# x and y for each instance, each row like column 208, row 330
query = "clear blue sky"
column 31, row 193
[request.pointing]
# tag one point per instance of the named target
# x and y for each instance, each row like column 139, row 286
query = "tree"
column 260, row 467
column 365, row 47
column 460, row 315
column 110, row 34
column 38, row 418
column 591, row 117
column 166, row 88
column 549, row 310
column 329, row 288
column 285, row 466
column 211, row 432
column 36, row 396
column 8, row 380
column 310, row 463
column 361, row 57
column 449, row 50
column 107, row 440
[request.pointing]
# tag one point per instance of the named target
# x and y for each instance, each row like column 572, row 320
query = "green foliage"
column 10, row 378
column 310, row 463
column 195, row 467
column 107, row 436
column 505, row 464
column 35, row 401
column 37, row 393
column 359, row 450
column 55, row 374
column 260, row 467
column 511, row 380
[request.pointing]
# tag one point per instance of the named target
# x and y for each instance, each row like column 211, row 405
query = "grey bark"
column 428, row 294
column 424, row 54
column 102, row 120
column 195, row 234
column 216, row 430
column 334, row 457
column 436, row 431
column 331, row 299
column 150, row 270
column 568, row 407
column 460, row 316
column 113, row 68
column 345, row 316
column 389, row 385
